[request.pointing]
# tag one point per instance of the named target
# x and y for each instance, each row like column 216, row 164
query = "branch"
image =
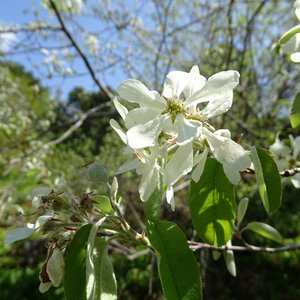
column 285, row 173
column 81, row 54
column 78, row 123
column 29, row 28
column 202, row 246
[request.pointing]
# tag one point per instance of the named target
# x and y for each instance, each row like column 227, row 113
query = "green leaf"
column 295, row 113
column 241, row 210
column 152, row 206
column 178, row 269
column 101, row 281
column 229, row 260
column 75, row 269
column 103, row 203
column 264, row 230
column 268, row 179
column 212, row 205
column 96, row 173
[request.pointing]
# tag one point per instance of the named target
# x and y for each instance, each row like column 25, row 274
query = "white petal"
column 195, row 82
column 296, row 146
column 223, row 132
column 134, row 91
column 226, row 151
column 295, row 57
column 55, row 267
column 170, row 197
column 292, row 45
column 175, row 83
column 122, row 110
column 117, row 128
column 17, row 234
column 296, row 181
column 187, row 130
column 128, row 166
column 44, row 287
column 200, row 165
column 41, row 191
column 279, row 148
column 232, row 174
column 297, row 8
column 218, row 107
column 180, row 164
column 145, row 135
column 49, row 214
column 216, row 87
column 139, row 116
column 149, row 182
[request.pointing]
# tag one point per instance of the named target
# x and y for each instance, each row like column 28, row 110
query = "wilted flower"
column 52, row 270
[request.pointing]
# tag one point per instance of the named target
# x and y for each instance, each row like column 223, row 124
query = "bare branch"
column 81, row 54
column 78, row 123
column 29, row 28
column 202, row 246
column 285, row 173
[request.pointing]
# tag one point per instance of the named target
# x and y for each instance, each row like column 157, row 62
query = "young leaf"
column 101, row 281
column 152, row 206
column 216, row 254
column 178, row 269
column 96, row 173
column 241, row 210
column 268, row 179
column 75, row 269
column 295, row 113
column 289, row 34
column 264, row 230
column 103, row 203
column 229, row 260
column 212, row 205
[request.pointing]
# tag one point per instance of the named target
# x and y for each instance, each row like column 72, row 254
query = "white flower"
column 175, row 111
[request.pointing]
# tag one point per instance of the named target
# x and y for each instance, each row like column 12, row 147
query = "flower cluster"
column 287, row 157
column 168, row 135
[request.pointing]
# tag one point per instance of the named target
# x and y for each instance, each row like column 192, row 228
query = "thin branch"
column 78, row 123
column 291, row 172
column 29, row 29
column 81, row 54
column 285, row 173
column 202, row 246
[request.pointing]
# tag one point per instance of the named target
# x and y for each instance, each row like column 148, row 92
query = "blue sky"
column 20, row 12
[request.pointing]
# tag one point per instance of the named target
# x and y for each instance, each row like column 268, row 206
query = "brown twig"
column 285, row 173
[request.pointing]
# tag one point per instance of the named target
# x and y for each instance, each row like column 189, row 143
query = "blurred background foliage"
column 35, row 151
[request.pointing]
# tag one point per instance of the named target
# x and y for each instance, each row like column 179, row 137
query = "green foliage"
column 152, row 206
column 96, row 173
column 105, row 283
column 75, row 270
column 264, row 230
column 212, row 205
column 177, row 266
column 295, row 113
column 268, row 179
